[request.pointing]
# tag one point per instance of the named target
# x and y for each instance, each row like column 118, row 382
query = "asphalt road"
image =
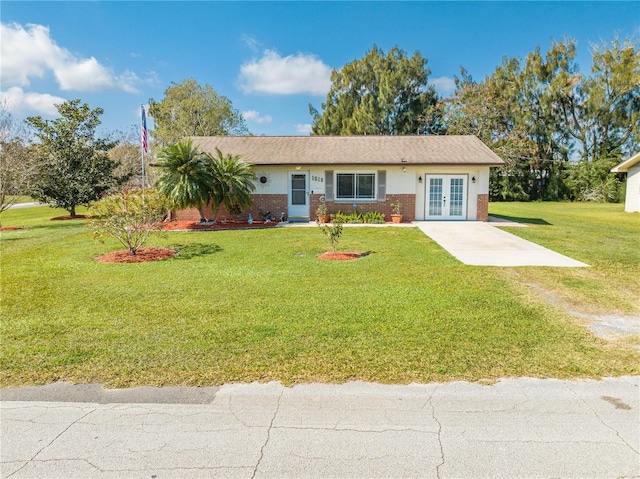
column 525, row 428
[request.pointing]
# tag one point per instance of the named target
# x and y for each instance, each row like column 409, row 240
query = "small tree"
column 130, row 217
column 14, row 159
column 72, row 165
column 332, row 231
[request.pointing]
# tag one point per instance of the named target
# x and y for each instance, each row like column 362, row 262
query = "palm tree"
column 186, row 180
column 233, row 182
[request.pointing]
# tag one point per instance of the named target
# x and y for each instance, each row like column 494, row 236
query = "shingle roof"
column 349, row 150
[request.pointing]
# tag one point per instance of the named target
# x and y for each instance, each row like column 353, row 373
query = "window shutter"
column 382, row 185
column 328, row 185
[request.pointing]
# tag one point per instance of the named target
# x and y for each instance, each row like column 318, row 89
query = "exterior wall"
column 632, row 197
column 276, row 204
column 404, row 183
column 483, row 208
column 475, row 191
column 407, row 209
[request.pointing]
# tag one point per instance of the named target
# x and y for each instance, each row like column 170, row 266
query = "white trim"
column 446, row 190
column 355, row 199
column 298, row 212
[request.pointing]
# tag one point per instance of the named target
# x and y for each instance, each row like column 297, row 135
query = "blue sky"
column 271, row 59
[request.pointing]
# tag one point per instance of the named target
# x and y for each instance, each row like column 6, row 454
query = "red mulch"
column 69, row 217
column 141, row 256
column 194, row 226
column 342, row 255
column 11, row 228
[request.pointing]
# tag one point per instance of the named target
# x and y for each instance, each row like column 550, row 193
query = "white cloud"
column 251, row 42
column 31, row 52
column 20, row 101
column 255, row 117
column 303, row 128
column 288, row 75
column 443, row 84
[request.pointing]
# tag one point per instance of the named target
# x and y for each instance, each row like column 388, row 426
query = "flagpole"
column 143, row 143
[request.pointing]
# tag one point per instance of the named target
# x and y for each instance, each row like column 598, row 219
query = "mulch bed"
column 11, row 228
column 69, row 217
column 342, row 255
column 229, row 225
column 141, row 256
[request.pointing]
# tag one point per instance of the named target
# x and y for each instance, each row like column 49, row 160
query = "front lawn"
column 257, row 306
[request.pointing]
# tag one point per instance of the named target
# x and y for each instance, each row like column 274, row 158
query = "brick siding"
column 483, row 207
column 277, row 204
column 407, row 208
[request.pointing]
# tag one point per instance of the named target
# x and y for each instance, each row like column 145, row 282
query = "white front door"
column 446, row 197
column 298, row 204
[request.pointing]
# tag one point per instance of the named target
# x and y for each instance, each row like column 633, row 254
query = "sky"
column 271, row 59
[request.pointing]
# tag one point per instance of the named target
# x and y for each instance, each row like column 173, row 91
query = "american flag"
column 145, row 142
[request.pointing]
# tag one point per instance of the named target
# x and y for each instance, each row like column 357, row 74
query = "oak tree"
column 72, row 165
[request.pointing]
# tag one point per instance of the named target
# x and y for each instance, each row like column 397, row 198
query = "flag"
column 145, row 142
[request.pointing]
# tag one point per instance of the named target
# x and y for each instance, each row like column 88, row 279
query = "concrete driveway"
column 520, row 428
column 481, row 244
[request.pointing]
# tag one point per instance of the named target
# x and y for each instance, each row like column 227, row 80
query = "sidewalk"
column 516, row 428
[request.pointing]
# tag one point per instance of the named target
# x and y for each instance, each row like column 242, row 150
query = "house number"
column 319, row 179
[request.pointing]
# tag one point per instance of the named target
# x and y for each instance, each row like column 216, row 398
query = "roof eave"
column 626, row 164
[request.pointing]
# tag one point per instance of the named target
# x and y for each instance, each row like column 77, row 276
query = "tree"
column 233, row 183
column 127, row 153
column 14, row 160
column 72, row 165
column 378, row 95
column 185, row 178
column 602, row 112
column 332, row 231
column 190, row 109
column 516, row 111
column 129, row 216
column 486, row 111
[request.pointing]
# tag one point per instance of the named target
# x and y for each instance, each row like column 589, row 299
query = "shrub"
column 130, row 217
column 374, row 217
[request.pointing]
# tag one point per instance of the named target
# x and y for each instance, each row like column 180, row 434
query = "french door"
column 446, row 197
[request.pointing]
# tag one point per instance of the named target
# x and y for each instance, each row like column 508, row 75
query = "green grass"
column 257, row 306
column 601, row 235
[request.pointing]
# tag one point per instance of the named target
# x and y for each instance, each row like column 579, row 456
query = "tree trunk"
column 72, row 210
column 201, row 211
column 215, row 212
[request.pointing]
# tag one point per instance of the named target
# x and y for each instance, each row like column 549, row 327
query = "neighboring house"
column 632, row 168
column 434, row 177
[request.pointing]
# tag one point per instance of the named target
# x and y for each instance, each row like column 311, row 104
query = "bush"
column 593, row 181
column 372, row 217
column 130, row 217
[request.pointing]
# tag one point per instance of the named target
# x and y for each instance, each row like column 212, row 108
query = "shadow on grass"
column 527, row 221
column 188, row 251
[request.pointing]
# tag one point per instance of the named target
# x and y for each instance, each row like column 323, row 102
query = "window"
column 355, row 186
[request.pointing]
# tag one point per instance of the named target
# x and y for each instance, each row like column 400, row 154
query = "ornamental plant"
column 130, row 217
column 332, row 231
